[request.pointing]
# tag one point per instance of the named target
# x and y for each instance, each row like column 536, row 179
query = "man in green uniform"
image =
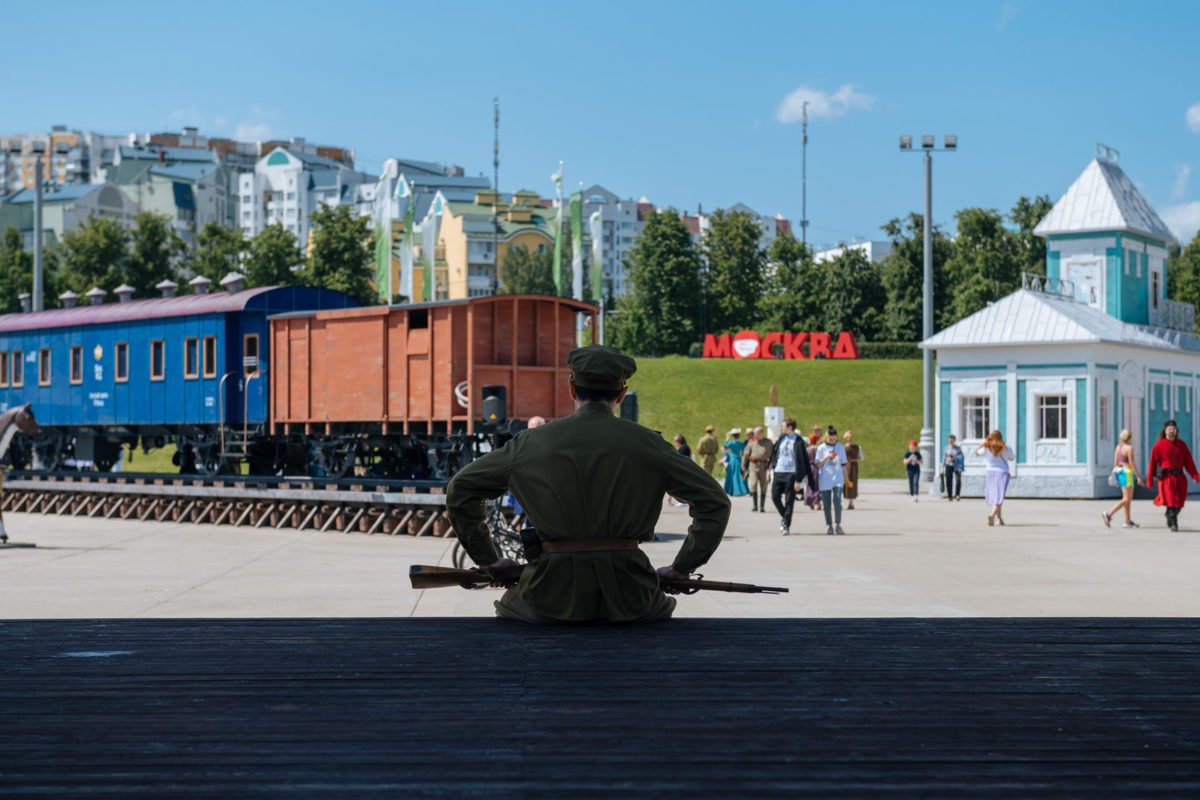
column 758, row 456
column 593, row 486
column 707, row 448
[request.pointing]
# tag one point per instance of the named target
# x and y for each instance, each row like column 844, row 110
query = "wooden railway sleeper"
column 287, row 515
column 354, row 520
column 174, row 501
column 332, row 517
column 312, row 513
column 245, row 513
column 229, row 504
column 378, row 522
column 429, row 523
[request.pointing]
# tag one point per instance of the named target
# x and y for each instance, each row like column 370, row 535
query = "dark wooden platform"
column 694, row 708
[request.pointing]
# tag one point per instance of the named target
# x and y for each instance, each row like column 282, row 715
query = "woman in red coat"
column 1169, row 460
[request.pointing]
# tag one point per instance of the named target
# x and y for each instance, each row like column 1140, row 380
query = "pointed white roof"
column 1103, row 199
column 1035, row 318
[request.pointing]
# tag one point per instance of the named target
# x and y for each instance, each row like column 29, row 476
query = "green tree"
column 271, row 256
column 525, row 272
column 851, row 297
column 218, row 251
column 94, row 254
column 339, row 258
column 985, row 264
column 791, row 295
column 903, row 278
column 658, row 315
column 1186, row 268
column 735, row 263
column 1029, row 250
column 154, row 249
column 16, row 270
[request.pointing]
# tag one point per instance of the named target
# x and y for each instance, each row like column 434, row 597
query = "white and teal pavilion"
column 1062, row 365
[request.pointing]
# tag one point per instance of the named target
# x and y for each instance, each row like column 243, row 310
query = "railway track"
column 352, row 505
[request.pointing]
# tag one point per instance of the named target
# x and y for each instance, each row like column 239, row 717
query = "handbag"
column 1112, row 477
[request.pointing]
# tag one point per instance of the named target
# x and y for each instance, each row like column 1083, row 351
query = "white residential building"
column 287, row 187
column 874, row 251
column 621, row 223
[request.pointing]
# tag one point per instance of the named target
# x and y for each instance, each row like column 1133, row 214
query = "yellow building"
column 468, row 242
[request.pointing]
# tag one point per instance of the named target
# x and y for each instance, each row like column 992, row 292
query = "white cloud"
column 1182, row 173
column 1183, row 220
column 1007, row 14
column 820, row 104
column 252, row 132
column 1193, row 118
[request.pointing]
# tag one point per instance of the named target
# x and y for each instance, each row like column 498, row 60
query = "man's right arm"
column 466, row 502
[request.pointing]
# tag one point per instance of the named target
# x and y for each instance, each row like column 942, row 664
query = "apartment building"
column 286, row 187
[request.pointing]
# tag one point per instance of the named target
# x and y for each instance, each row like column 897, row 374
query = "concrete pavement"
column 898, row 559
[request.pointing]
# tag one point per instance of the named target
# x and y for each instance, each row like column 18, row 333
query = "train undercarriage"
column 208, row 450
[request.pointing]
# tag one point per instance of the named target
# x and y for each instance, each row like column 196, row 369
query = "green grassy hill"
column 880, row 401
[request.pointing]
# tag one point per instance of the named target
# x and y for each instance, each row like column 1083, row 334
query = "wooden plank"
column 896, row 708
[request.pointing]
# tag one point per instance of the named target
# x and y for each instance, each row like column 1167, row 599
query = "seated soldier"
column 592, row 485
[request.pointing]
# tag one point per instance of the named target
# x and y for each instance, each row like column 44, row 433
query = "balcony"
column 1174, row 316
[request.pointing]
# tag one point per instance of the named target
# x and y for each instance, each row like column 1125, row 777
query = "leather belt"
column 589, row 545
column 1172, row 472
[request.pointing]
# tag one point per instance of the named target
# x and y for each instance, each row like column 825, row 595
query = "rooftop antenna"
column 496, row 196
column 804, row 174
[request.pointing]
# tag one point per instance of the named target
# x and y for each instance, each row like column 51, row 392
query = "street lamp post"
column 926, row 443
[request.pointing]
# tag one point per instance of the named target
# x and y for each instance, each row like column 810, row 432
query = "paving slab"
column 931, row 558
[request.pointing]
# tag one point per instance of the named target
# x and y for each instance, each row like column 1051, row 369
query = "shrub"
column 895, row 350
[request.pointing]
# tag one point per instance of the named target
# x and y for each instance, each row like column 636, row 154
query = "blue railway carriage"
column 192, row 370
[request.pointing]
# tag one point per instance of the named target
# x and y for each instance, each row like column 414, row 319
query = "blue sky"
column 678, row 101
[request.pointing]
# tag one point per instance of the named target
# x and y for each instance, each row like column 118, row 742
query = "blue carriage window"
column 210, row 356
column 250, row 353
column 121, row 365
column 44, row 366
column 191, row 357
column 77, row 363
column 4, row 368
column 18, row 368
column 157, row 360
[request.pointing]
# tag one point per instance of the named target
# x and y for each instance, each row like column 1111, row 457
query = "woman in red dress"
column 1169, row 460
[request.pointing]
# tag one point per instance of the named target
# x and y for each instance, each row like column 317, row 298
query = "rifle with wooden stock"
column 426, row 577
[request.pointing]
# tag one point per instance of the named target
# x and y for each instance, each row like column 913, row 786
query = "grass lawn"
column 879, row 400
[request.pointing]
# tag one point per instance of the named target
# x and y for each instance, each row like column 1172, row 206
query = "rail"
column 416, row 508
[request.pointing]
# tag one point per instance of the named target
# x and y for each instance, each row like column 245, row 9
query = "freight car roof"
column 152, row 308
column 570, row 301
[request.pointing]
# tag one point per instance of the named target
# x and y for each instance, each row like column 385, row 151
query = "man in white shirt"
column 831, row 457
column 789, row 468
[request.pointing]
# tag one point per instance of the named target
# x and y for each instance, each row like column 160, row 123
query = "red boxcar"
column 395, row 370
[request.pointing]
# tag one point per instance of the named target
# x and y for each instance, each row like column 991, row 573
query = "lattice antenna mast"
column 496, row 195
column 804, row 174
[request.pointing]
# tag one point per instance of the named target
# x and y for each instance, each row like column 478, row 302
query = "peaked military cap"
column 600, row 367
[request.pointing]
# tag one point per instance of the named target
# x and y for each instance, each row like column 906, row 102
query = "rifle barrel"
column 427, row 577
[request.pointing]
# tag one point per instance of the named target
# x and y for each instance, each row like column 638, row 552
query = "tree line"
column 102, row 252
column 730, row 281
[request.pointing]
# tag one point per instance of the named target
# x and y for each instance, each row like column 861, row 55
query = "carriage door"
column 253, row 379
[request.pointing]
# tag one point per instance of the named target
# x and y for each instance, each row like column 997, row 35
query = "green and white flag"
column 429, row 236
column 577, row 245
column 406, row 255
column 383, row 260
column 558, row 228
column 597, row 267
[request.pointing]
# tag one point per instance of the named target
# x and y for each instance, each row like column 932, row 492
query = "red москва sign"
column 749, row 344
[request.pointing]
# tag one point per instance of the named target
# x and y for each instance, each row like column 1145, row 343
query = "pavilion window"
column 1052, row 416
column 976, row 417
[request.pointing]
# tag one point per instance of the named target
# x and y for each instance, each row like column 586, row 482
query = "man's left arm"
column 466, row 501
column 708, row 505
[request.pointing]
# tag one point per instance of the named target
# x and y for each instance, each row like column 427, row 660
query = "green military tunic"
column 707, row 449
column 584, row 477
